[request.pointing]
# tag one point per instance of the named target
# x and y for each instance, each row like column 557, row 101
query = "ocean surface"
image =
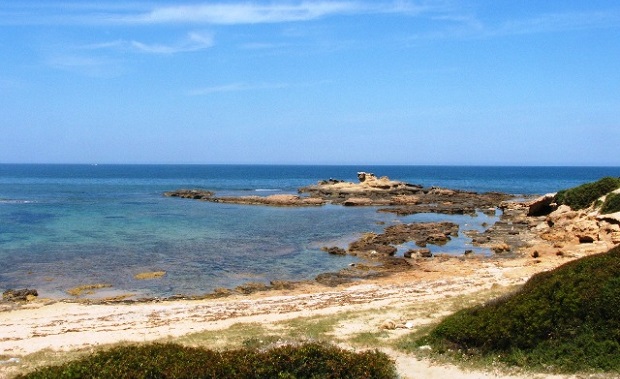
column 63, row 226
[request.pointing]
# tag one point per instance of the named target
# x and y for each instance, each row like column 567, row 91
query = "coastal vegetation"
column 611, row 204
column 170, row 360
column 564, row 320
column 585, row 195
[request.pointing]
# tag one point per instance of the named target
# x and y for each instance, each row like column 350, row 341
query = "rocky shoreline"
column 534, row 228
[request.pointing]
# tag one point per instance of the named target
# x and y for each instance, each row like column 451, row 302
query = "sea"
column 64, row 226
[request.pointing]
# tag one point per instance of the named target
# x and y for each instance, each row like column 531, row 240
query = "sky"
column 428, row 82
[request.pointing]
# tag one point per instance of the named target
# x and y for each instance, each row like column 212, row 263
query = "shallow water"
column 67, row 225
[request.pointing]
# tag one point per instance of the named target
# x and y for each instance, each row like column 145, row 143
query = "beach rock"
column 357, row 201
column 420, row 233
column 331, row 279
column 418, row 253
column 335, row 250
column 539, row 206
column 19, row 295
column 196, row 194
column 252, row 287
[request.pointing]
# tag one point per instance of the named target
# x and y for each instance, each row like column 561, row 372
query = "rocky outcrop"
column 368, row 191
column 401, row 198
column 539, row 206
column 279, row 200
column 436, row 233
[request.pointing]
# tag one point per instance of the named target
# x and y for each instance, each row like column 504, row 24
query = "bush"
column 611, row 204
column 568, row 318
column 176, row 361
column 584, row 195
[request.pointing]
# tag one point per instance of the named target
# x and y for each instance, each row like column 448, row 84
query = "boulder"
column 20, row 295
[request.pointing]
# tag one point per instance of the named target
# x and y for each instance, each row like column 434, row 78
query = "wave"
column 14, row 201
column 267, row 190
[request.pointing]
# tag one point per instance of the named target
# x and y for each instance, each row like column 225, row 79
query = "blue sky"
column 491, row 82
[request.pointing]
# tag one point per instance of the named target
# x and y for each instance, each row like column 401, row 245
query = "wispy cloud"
column 242, row 87
column 237, row 87
column 558, row 22
column 86, row 65
column 194, row 42
column 212, row 13
column 467, row 25
column 243, row 13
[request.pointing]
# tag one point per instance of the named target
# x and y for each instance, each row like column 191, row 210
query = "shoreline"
column 383, row 305
column 524, row 244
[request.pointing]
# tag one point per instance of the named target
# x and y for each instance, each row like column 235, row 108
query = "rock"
column 149, row 275
column 501, row 247
column 540, row 206
column 388, row 325
column 334, row 250
column 331, row 279
column 252, row 287
column 357, row 201
column 10, row 361
column 420, row 233
column 282, row 284
column 197, row 194
column 418, row 253
column 20, row 295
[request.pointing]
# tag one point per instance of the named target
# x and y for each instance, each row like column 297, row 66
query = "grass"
column 178, row 361
column 565, row 320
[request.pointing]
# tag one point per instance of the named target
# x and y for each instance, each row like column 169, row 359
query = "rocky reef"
column 401, row 197
column 535, row 228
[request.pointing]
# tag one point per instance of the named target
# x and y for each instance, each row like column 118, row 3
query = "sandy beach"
column 396, row 304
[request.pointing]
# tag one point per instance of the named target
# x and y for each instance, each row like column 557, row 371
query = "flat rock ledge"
column 401, row 198
column 280, row 200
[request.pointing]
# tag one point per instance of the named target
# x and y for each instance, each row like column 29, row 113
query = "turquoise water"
column 67, row 225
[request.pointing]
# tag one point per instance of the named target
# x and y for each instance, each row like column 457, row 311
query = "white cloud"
column 244, row 13
column 194, row 41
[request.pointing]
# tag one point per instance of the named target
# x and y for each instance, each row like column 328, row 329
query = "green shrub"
column 568, row 318
column 611, row 204
column 177, row 361
column 584, row 195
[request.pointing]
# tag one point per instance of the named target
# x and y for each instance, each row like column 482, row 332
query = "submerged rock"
column 421, row 233
column 20, row 295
